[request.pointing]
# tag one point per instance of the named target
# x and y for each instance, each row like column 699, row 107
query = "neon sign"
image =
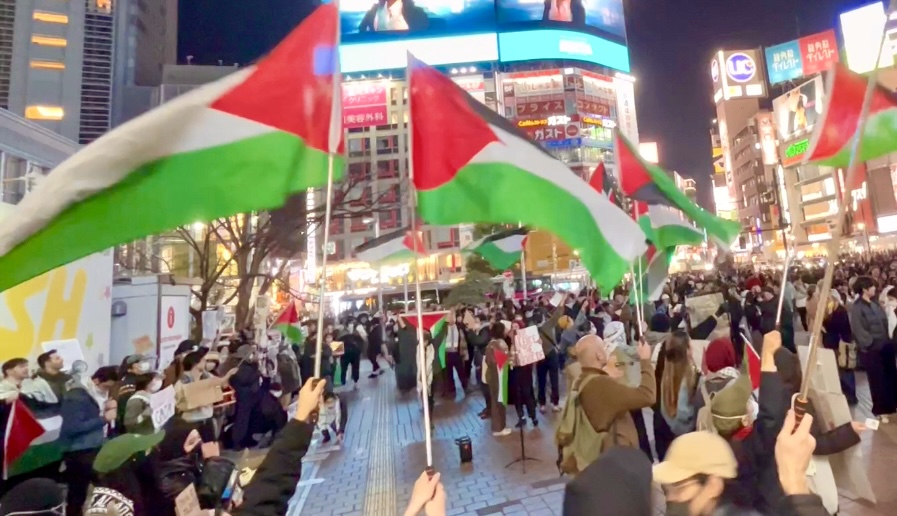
column 795, row 151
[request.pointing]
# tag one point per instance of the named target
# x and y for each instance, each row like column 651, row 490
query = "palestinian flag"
column 503, row 363
column 246, row 142
column 29, row 441
column 400, row 246
column 603, row 181
column 646, row 183
column 655, row 269
column 751, row 364
column 501, row 250
column 288, row 324
column 840, row 122
column 471, row 165
column 434, row 322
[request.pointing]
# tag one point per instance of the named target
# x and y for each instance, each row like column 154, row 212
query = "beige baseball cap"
column 696, row 453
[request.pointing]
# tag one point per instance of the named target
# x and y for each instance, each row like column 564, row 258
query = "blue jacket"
column 82, row 425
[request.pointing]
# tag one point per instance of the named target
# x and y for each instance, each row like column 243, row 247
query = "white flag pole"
column 412, row 207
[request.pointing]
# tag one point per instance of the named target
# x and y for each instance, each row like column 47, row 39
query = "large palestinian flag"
column 470, row 165
column 501, row 250
column 244, row 143
column 400, row 246
column 673, row 216
column 840, row 122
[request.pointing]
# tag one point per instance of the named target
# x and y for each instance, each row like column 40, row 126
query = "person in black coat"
column 247, row 390
column 375, row 346
column 836, row 329
column 354, row 345
column 275, row 480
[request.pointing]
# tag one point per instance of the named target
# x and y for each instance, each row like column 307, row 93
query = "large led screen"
column 604, row 16
column 562, row 44
column 380, row 20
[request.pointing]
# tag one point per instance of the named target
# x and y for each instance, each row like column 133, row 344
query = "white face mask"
column 154, row 386
column 276, row 394
column 144, row 367
column 211, row 366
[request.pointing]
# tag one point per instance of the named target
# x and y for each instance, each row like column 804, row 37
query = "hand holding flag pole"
column 800, row 403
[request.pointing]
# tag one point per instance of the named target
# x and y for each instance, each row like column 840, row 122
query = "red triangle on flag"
column 597, row 179
column 22, row 428
column 753, row 365
column 501, row 358
column 447, row 131
column 414, row 240
column 289, row 316
column 294, row 88
column 633, row 175
column 430, row 319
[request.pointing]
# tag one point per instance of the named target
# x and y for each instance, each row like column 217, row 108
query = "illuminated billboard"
column 797, row 111
column 737, row 74
column 802, row 57
column 604, row 17
column 862, row 29
column 380, row 20
column 390, row 55
column 562, row 44
column 648, row 152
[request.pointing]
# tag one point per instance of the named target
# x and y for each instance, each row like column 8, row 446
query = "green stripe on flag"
column 435, row 331
column 292, row 333
column 503, row 375
column 246, row 175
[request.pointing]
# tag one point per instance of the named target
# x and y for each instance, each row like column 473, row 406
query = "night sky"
column 671, row 44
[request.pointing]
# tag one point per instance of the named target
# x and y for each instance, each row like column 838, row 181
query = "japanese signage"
column 598, row 85
column 474, row 85
column 768, row 148
column 541, row 109
column 794, row 153
column 548, row 133
column 736, row 74
column 552, row 121
column 626, row 121
column 801, row 57
column 364, row 104
column 796, row 111
column 592, row 107
column 535, row 83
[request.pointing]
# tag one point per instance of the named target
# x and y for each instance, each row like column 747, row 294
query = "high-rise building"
column 56, row 61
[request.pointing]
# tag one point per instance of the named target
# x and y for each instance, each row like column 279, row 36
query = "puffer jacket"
column 82, row 425
column 869, row 324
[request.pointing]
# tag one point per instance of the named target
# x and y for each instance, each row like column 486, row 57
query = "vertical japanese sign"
column 364, row 104
column 626, row 121
column 768, row 147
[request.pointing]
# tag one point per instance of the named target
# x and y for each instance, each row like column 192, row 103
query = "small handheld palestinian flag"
column 288, row 324
column 503, row 363
column 434, row 322
column 840, row 122
column 501, row 250
column 751, row 364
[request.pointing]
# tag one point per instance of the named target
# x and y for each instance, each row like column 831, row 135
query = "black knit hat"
column 38, row 496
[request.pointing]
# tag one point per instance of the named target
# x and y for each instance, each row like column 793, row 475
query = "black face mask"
column 678, row 509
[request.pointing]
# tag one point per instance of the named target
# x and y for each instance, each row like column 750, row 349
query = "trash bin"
column 465, row 449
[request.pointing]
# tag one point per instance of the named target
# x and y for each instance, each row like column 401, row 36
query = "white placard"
column 528, row 345
column 557, row 299
column 210, row 321
column 69, row 349
column 162, row 403
column 174, row 326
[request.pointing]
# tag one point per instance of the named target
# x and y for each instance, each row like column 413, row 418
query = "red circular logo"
column 572, row 131
column 170, row 317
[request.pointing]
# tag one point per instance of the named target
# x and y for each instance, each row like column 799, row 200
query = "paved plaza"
column 374, row 470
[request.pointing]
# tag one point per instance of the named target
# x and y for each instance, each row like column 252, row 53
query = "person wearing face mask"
column 132, row 367
column 200, row 417
column 621, row 359
column 85, row 414
column 138, row 412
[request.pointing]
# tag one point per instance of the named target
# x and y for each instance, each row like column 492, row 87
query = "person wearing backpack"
column 596, row 415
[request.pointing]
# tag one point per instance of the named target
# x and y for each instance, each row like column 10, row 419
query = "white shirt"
column 389, row 17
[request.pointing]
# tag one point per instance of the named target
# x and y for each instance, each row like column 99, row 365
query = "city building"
column 28, row 152
column 146, row 39
column 56, row 61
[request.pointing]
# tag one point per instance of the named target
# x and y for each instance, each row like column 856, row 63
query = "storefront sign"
column 532, row 123
column 741, row 67
column 528, row 86
column 795, row 152
column 543, row 134
column 625, row 96
column 592, row 107
column 802, row 57
column 549, row 108
column 569, row 142
column 364, row 104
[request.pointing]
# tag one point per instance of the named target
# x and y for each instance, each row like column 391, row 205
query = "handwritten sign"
column 162, row 403
column 528, row 345
column 187, row 503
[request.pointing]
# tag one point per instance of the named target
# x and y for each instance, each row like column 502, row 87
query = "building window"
column 48, row 41
column 359, row 172
column 39, row 64
column 388, row 169
column 53, row 113
column 104, row 5
column 48, row 17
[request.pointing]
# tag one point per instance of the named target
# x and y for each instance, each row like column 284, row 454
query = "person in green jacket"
column 138, row 417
